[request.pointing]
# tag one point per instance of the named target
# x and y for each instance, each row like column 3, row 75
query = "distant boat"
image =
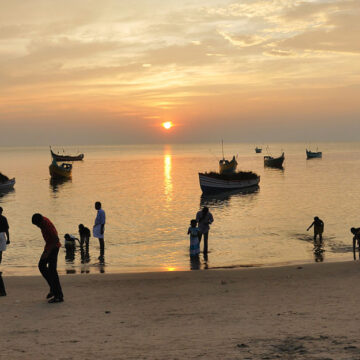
column 258, row 150
column 274, row 162
column 226, row 166
column 60, row 171
column 214, row 182
column 7, row 185
column 313, row 154
column 58, row 157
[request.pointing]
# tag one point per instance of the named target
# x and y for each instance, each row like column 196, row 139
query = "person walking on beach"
column 318, row 228
column 204, row 218
column 4, row 233
column 193, row 231
column 99, row 228
column 48, row 259
column 356, row 239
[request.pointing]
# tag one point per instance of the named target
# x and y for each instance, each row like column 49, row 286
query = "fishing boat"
column 313, row 154
column 7, row 185
column 59, row 157
column 258, row 150
column 214, row 182
column 60, row 171
column 226, row 166
column 274, row 162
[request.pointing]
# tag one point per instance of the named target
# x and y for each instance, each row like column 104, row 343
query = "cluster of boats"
column 229, row 179
column 59, row 168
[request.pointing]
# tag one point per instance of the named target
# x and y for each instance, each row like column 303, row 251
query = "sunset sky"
column 112, row 71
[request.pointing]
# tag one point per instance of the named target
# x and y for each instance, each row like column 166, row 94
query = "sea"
column 151, row 192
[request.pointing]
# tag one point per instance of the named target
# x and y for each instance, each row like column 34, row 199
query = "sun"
column 167, row 125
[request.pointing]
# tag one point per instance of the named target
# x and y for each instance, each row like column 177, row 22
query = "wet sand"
column 295, row 312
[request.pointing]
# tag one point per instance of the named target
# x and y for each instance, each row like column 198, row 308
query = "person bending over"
column 48, row 259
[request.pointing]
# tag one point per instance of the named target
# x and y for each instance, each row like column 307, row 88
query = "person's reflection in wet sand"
column 206, row 264
column 102, row 267
column 319, row 250
column 85, row 259
column 70, row 254
column 194, row 263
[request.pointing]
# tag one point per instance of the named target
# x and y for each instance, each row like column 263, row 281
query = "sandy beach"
column 293, row 312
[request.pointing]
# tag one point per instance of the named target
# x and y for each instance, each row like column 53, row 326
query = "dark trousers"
column 2, row 286
column 206, row 235
column 47, row 267
column 102, row 246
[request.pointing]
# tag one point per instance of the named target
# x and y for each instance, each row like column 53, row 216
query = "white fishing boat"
column 213, row 182
column 7, row 185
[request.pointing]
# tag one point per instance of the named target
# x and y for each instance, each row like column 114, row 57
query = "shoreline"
column 95, row 268
column 297, row 312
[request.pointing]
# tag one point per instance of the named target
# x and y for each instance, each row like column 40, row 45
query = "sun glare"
column 167, row 125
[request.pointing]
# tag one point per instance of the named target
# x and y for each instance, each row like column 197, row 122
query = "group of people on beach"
column 198, row 231
column 48, row 260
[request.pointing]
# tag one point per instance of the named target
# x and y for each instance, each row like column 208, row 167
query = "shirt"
column 49, row 234
column 85, row 232
column 204, row 221
column 100, row 217
column 4, row 226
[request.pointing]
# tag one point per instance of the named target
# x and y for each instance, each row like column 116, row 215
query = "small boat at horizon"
column 60, row 171
column 274, row 162
column 59, row 157
column 313, row 154
column 258, row 150
column 215, row 182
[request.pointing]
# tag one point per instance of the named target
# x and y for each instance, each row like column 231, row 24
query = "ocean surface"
column 151, row 192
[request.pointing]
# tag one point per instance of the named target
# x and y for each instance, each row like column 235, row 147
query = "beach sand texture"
column 296, row 312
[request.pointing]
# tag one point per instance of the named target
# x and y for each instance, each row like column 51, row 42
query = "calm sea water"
column 150, row 193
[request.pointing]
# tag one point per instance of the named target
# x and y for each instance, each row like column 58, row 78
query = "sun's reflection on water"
column 168, row 186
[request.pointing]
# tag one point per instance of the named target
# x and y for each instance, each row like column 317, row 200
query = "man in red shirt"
column 48, row 260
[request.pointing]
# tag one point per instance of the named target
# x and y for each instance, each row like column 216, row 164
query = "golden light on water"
column 168, row 187
column 170, row 268
column 167, row 125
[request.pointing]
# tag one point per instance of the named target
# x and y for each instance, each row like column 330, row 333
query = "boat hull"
column 58, row 157
column 209, row 184
column 313, row 155
column 258, row 150
column 8, row 185
column 57, row 172
column 274, row 162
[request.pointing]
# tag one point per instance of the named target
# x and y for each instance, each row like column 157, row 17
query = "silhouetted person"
column 48, row 259
column 84, row 234
column 356, row 240
column 99, row 228
column 204, row 219
column 318, row 227
column 70, row 245
column 4, row 233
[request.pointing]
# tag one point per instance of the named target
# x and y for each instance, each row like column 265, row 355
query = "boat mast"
column 222, row 148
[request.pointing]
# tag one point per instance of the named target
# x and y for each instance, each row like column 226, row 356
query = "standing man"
column 99, row 228
column 48, row 260
column 204, row 219
column 4, row 233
